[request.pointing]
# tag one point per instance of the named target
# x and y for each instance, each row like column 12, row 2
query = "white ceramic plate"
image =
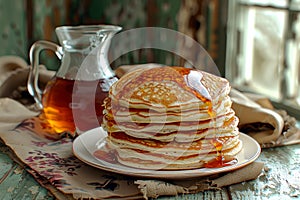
column 85, row 145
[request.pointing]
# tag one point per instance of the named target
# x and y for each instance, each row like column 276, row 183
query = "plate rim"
column 166, row 174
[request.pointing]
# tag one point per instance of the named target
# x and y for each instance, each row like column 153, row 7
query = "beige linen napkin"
column 149, row 188
column 156, row 188
column 268, row 126
column 12, row 113
column 13, row 79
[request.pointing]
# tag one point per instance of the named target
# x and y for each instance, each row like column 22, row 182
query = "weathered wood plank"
column 19, row 184
column 16, row 182
column 28, row 188
column 280, row 180
column 6, row 165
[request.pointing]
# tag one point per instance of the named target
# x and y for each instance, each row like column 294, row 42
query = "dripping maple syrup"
column 220, row 160
column 193, row 80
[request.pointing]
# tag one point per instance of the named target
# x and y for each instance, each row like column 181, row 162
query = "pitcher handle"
column 34, row 53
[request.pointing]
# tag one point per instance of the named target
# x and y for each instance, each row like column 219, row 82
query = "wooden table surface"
column 280, row 180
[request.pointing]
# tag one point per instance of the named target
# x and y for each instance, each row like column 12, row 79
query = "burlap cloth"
column 53, row 164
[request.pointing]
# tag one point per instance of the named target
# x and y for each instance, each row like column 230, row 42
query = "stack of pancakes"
column 170, row 118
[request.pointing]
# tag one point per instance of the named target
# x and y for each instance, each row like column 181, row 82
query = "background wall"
column 13, row 28
column 23, row 22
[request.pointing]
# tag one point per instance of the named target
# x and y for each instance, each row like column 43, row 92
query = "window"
column 263, row 49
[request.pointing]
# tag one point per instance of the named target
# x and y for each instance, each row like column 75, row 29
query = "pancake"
column 161, row 88
column 177, row 133
column 170, row 118
column 123, row 114
column 160, row 160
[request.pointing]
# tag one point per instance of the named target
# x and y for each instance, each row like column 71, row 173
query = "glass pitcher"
column 72, row 100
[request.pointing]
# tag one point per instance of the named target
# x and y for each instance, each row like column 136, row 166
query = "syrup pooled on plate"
column 220, row 160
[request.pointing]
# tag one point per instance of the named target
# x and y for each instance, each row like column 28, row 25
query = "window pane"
column 293, row 60
column 268, row 51
column 262, row 49
column 295, row 4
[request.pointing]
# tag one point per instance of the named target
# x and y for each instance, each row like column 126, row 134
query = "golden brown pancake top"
column 165, row 85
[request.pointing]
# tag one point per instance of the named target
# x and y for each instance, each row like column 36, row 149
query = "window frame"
column 233, row 55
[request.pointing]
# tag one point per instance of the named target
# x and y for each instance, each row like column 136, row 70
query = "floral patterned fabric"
column 53, row 160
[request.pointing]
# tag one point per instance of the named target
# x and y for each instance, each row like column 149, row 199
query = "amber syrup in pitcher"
column 71, row 105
